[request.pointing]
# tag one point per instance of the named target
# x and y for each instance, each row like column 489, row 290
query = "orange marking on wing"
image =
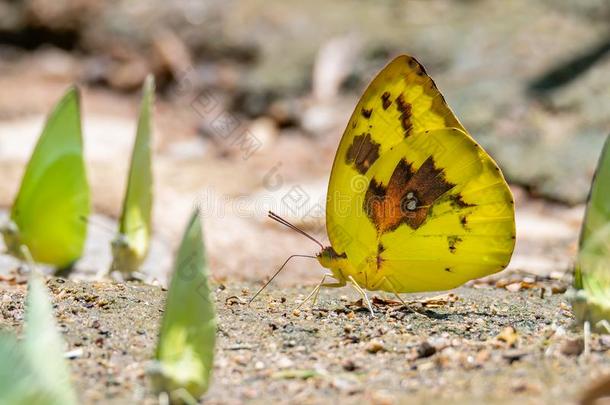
column 407, row 198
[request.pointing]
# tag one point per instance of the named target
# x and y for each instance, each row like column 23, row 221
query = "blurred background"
column 253, row 97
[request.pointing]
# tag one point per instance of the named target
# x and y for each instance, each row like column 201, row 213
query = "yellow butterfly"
column 414, row 203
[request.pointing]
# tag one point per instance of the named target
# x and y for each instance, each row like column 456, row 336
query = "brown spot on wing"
column 404, row 109
column 458, row 202
column 464, row 222
column 385, row 100
column 417, row 67
column 452, row 241
column 407, row 198
column 362, row 153
column 366, row 113
column 380, row 250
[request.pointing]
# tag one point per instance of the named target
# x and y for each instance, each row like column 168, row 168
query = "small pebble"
column 572, row 347
column 349, row 365
column 374, row 346
column 284, row 362
column 514, row 355
column 425, row 349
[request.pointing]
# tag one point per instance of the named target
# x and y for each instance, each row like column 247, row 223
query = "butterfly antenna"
column 98, row 224
column 276, row 273
column 295, row 228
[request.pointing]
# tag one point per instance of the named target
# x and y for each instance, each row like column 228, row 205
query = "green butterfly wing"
column 50, row 211
column 33, row 371
column 185, row 351
column 598, row 205
column 131, row 246
column 592, row 273
column 17, row 380
column 43, row 345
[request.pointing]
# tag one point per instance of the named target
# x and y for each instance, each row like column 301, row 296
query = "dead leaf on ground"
column 439, row 300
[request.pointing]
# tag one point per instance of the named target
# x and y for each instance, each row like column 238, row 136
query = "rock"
column 171, row 55
column 374, row 346
column 334, row 62
column 129, row 74
column 320, row 118
column 509, row 336
column 513, row 355
column 284, row 362
column 349, row 365
column 572, row 347
column 265, row 131
column 425, row 349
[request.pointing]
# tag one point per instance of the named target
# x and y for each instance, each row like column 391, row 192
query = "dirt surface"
column 478, row 345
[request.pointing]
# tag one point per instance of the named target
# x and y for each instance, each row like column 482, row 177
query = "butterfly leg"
column 316, row 290
column 313, row 292
column 387, row 280
column 394, row 291
column 586, row 339
column 362, row 293
column 337, row 284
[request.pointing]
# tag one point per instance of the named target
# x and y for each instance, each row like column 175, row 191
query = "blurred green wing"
column 592, row 273
column 17, row 380
column 185, row 351
column 130, row 247
column 43, row 346
column 598, row 206
column 52, row 205
column 135, row 222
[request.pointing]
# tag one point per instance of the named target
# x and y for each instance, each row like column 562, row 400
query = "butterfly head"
column 120, row 243
column 337, row 263
column 124, row 257
column 12, row 239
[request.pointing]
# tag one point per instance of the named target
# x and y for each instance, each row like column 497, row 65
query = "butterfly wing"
column 437, row 213
column 43, row 345
column 185, row 351
column 52, row 205
column 414, row 202
column 135, row 222
column 592, row 276
column 597, row 214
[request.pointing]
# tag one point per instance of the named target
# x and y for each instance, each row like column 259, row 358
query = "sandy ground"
column 481, row 344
